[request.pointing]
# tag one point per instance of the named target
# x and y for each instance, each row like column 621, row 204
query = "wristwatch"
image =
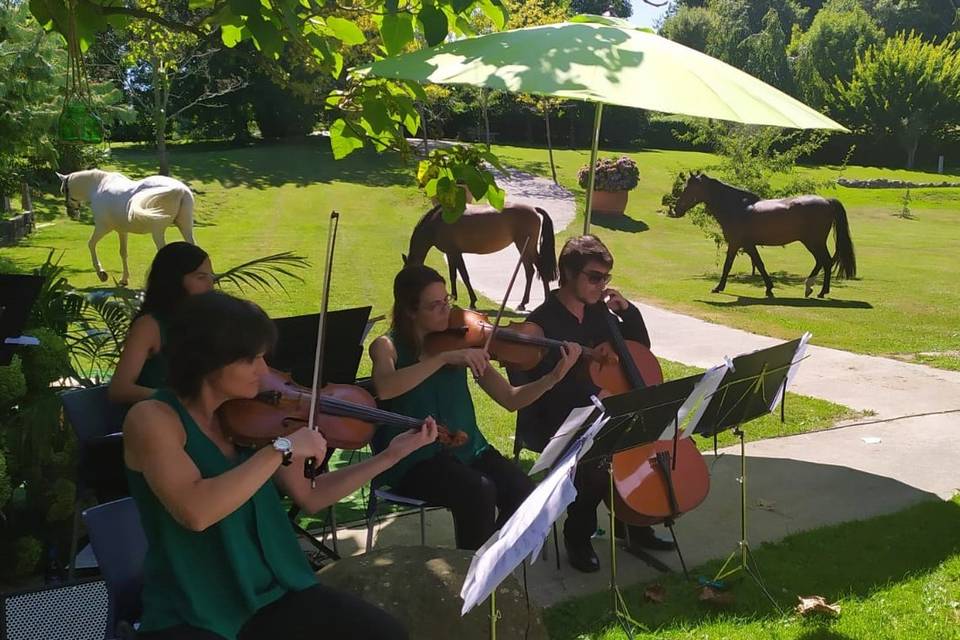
column 284, row 446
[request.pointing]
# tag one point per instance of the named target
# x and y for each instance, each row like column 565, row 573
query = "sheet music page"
column 701, row 393
column 798, row 357
column 558, row 443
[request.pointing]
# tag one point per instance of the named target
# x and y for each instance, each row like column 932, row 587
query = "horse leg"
column 452, row 266
column 727, row 263
column 95, row 237
column 123, row 258
column 462, row 266
column 159, row 239
column 755, row 256
column 528, row 270
column 823, row 257
column 817, row 265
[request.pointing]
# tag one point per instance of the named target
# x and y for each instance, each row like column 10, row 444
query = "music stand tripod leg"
column 746, row 563
column 620, row 610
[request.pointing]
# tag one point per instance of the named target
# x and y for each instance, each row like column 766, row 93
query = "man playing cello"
column 575, row 313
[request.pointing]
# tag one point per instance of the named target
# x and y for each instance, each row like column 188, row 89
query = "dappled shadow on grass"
column 806, row 303
column 849, row 561
column 619, row 223
column 266, row 164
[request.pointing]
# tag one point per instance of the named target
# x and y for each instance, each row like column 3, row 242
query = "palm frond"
column 266, row 273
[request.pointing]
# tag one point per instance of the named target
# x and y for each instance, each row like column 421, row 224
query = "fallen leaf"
column 816, row 604
column 766, row 505
column 655, row 593
column 716, row 598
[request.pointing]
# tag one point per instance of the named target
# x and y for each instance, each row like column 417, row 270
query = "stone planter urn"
column 610, row 203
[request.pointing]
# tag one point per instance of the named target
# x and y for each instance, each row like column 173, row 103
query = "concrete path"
column 905, row 453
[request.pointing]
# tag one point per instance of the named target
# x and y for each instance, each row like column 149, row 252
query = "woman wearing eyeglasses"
column 576, row 312
column 474, row 481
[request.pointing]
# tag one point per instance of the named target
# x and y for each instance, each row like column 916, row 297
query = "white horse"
column 125, row 206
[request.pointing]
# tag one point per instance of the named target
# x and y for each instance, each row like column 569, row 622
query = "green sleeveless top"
column 446, row 397
column 218, row 578
column 154, row 371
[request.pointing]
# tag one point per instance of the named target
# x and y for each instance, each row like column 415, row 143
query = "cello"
column 659, row 481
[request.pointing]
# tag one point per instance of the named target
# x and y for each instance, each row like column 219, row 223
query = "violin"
column 662, row 480
column 345, row 415
column 519, row 345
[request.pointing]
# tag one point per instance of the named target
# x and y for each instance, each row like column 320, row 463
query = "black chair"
column 121, row 546
column 78, row 611
column 98, row 425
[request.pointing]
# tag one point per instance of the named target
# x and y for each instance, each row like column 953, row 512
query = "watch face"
column 282, row 444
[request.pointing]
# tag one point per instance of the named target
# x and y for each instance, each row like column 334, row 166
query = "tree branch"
column 143, row 14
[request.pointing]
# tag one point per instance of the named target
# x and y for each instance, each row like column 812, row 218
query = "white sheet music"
column 523, row 534
column 561, row 438
column 701, row 394
column 798, row 356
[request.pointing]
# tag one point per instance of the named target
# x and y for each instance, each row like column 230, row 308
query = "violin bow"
column 310, row 464
column 503, row 303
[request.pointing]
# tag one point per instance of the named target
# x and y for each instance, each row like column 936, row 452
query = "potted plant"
column 614, row 178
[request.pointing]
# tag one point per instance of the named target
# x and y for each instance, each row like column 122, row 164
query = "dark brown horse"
column 483, row 229
column 748, row 221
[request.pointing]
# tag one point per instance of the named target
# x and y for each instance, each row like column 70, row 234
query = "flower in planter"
column 620, row 174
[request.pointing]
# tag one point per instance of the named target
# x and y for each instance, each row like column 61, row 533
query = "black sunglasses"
column 596, row 277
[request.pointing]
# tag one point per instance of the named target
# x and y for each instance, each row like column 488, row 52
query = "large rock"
column 421, row 587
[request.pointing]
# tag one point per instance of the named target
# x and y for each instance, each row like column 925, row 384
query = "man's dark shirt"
column 537, row 423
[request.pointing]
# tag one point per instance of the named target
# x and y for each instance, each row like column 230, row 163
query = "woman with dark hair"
column 222, row 559
column 178, row 270
column 475, row 481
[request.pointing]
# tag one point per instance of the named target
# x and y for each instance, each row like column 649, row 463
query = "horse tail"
column 547, row 260
column 152, row 205
column 845, row 260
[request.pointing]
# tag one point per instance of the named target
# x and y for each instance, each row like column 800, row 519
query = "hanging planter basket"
column 78, row 122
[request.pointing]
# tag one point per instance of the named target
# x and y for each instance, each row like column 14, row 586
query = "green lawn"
column 261, row 199
column 905, row 302
column 896, row 577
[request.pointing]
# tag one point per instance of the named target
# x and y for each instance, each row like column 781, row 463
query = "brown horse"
column 748, row 221
column 484, row 229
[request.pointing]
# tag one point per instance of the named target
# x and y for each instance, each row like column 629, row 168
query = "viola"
column 519, row 345
column 346, row 415
column 662, row 480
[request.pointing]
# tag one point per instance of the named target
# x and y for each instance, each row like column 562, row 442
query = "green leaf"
column 231, row 35
column 494, row 10
column 496, row 196
column 474, row 180
column 492, row 159
column 434, row 21
column 343, row 140
column 375, row 113
column 265, row 35
column 459, row 6
column 200, row 4
column 396, row 30
column 346, row 31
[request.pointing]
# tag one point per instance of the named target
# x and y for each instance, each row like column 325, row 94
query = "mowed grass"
column 262, row 199
column 894, row 578
column 905, row 302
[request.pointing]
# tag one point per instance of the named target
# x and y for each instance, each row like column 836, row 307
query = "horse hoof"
column 821, row 294
column 769, row 293
column 102, row 275
column 716, row 290
column 122, row 283
column 807, row 292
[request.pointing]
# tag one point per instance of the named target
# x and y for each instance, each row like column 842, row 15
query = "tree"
column 907, row 89
column 168, row 73
column 618, row 8
column 933, row 19
column 828, row 50
column 765, row 53
column 690, row 26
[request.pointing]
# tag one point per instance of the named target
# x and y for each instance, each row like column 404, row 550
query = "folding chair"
column 373, row 507
column 121, row 546
column 98, row 425
column 78, row 611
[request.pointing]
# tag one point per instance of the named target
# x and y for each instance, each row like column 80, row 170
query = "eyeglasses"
column 597, row 277
column 437, row 305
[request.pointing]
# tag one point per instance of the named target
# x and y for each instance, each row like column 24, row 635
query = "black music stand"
column 17, row 294
column 297, row 336
column 749, row 390
column 636, row 418
column 294, row 352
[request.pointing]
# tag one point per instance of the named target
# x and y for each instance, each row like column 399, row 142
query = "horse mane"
column 428, row 217
column 734, row 195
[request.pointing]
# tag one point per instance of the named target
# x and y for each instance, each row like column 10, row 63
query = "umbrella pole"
column 597, row 116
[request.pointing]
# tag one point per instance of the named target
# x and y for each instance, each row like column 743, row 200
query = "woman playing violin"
column 475, row 481
column 222, row 558
column 179, row 269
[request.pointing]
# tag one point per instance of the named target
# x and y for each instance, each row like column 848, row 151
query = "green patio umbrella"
column 604, row 61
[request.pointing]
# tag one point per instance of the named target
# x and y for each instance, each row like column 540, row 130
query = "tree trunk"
column 486, row 117
column 423, row 127
column 912, row 152
column 161, row 94
column 573, row 132
column 26, row 202
column 553, row 167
